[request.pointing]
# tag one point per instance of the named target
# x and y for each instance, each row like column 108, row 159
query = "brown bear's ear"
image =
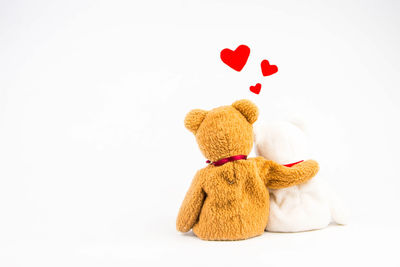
column 248, row 109
column 194, row 118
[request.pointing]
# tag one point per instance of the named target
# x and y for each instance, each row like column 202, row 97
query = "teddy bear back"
column 224, row 131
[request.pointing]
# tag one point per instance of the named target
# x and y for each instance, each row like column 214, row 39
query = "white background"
column 94, row 157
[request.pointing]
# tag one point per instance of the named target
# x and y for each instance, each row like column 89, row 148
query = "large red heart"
column 256, row 89
column 268, row 69
column 236, row 59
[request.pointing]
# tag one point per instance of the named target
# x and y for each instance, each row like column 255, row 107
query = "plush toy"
column 229, row 199
column 302, row 207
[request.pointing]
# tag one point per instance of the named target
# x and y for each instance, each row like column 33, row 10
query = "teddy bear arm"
column 263, row 167
column 191, row 206
column 281, row 176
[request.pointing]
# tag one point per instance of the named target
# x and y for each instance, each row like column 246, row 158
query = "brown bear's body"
column 241, row 198
column 231, row 202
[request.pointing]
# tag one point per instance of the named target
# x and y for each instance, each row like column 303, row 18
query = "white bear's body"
column 298, row 208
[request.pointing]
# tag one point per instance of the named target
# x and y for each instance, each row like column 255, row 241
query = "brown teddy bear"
column 229, row 199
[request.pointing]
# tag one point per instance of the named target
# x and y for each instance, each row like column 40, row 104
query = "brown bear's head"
column 225, row 131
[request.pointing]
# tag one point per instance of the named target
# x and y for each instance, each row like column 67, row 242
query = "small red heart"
column 236, row 59
column 268, row 69
column 256, row 89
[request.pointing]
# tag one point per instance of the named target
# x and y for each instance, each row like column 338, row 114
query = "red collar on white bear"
column 292, row 164
column 226, row 160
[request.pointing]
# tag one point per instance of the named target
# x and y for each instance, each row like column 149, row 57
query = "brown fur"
column 231, row 202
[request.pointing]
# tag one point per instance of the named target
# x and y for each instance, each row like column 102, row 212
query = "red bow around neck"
column 226, row 160
column 239, row 157
column 292, row 164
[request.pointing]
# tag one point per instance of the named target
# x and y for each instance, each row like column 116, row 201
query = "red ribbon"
column 226, row 160
column 292, row 164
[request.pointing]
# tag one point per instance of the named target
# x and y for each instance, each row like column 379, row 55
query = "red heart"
column 268, row 69
column 236, row 59
column 256, row 89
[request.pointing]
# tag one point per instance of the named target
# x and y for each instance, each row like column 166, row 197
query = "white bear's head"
column 281, row 141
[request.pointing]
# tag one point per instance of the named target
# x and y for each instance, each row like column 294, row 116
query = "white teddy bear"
column 298, row 208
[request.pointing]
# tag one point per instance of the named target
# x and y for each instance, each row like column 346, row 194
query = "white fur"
column 304, row 207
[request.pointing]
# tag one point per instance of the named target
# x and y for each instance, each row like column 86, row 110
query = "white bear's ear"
column 194, row 118
column 248, row 109
column 257, row 130
column 299, row 123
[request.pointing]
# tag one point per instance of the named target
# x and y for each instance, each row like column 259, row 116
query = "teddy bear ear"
column 299, row 123
column 194, row 118
column 248, row 109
